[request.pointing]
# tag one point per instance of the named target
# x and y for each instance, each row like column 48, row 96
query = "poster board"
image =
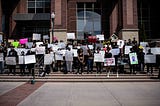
column 10, row 60
column 98, row 57
column 120, row 43
column 100, row 37
column 109, row 61
column 70, row 35
column 36, row 36
column 127, row 49
column 133, row 58
column 155, row 50
column 21, row 60
column 29, row 59
column 58, row 57
column 23, row 41
column 115, row 51
column 149, row 58
column 40, row 50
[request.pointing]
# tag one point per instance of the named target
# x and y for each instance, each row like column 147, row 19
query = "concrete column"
column 130, row 20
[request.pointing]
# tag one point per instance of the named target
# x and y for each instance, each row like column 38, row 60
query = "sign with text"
column 70, row 35
column 109, row 61
column 100, row 37
column 133, row 58
column 98, row 57
column 48, row 59
column 29, row 59
column 36, row 36
column 10, row 60
column 149, row 58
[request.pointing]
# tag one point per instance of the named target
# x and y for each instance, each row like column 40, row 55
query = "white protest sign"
column 69, row 56
column 90, row 47
column 149, row 58
column 115, row 51
column 133, row 58
column 144, row 44
column 100, row 37
column 36, row 36
column 10, row 60
column 70, row 35
column 109, row 62
column 120, row 43
column 45, row 37
column 21, row 60
column 98, row 57
column 30, row 59
column 127, row 49
column 19, row 50
column 48, row 59
column 155, row 50
column 40, row 50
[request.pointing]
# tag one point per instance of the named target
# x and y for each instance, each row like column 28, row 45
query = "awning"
column 32, row 17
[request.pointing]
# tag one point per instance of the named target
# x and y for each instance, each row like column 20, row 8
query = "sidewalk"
column 82, row 94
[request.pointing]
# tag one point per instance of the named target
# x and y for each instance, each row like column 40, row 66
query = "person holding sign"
column 108, row 55
column 22, row 65
column 141, row 59
column 149, row 65
column 132, row 62
column 80, row 61
column 99, row 64
column 12, row 67
column 69, row 59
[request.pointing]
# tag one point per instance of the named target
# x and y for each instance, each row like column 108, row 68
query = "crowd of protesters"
column 83, row 62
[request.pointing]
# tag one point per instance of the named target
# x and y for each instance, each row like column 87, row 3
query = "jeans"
column 89, row 65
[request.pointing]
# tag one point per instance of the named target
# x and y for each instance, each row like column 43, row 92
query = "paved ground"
column 80, row 94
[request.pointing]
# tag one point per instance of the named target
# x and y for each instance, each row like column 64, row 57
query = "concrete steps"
column 59, row 77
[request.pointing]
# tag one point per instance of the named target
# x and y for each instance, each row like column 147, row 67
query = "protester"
column 80, row 61
column 69, row 59
column 149, row 65
column 90, row 62
column 22, row 65
column 12, row 68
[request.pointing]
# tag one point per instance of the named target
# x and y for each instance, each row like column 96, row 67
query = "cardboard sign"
column 109, row 62
column 98, row 57
column 149, row 58
column 114, row 38
column 10, row 60
column 133, row 58
column 29, row 59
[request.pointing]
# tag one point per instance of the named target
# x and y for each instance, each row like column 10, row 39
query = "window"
column 88, row 19
column 39, row 6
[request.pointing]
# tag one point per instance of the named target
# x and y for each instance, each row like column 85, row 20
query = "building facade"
column 125, row 18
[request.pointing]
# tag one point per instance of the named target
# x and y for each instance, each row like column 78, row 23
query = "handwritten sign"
column 109, row 62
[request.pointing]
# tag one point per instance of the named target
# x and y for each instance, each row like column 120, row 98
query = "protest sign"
column 21, row 60
column 120, row 43
column 58, row 57
column 114, row 38
column 40, row 50
column 48, row 59
column 133, row 58
column 30, row 59
column 149, row 58
column 23, row 41
column 36, row 36
column 115, row 51
column 155, row 50
column 98, row 57
column 15, row 44
column 127, row 49
column 29, row 44
column 10, row 60
column 109, row 61
column 70, row 35
column 100, row 37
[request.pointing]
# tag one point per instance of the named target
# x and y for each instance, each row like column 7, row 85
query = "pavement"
column 80, row 94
